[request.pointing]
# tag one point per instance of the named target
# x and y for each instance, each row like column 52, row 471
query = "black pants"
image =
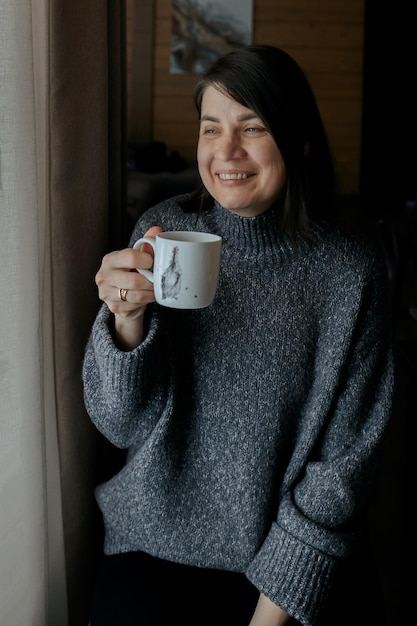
column 135, row 589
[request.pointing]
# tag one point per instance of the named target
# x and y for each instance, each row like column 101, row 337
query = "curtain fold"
column 61, row 169
column 32, row 562
column 86, row 147
column 117, row 125
column 56, row 589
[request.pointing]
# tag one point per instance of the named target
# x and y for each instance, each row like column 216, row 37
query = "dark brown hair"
column 268, row 81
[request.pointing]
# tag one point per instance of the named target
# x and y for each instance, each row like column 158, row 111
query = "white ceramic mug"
column 186, row 268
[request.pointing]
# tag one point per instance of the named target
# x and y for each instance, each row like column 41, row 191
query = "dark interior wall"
column 388, row 184
column 389, row 138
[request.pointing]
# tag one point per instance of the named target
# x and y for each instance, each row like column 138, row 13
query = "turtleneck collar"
column 256, row 236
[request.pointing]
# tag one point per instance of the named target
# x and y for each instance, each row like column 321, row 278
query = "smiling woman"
column 239, row 162
column 288, row 127
column 252, row 426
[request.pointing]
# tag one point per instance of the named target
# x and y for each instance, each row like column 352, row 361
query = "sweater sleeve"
column 320, row 514
column 124, row 391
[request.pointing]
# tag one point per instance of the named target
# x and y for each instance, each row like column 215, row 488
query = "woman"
column 253, row 426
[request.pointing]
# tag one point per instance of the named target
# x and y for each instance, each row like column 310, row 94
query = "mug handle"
column 147, row 273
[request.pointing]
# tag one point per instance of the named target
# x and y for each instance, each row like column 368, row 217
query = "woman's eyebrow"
column 241, row 118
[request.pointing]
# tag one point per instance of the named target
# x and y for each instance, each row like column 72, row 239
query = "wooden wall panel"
column 326, row 39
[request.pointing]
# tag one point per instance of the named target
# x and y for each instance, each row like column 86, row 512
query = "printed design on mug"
column 171, row 278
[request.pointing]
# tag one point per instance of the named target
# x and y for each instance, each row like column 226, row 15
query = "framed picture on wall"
column 204, row 30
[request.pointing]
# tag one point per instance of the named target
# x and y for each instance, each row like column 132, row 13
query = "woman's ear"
column 306, row 148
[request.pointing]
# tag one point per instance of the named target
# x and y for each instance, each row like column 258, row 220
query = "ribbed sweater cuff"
column 292, row 574
column 119, row 367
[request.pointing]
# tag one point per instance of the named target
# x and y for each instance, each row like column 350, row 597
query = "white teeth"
column 239, row 176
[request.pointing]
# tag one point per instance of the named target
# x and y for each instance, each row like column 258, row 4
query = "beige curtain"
column 57, row 60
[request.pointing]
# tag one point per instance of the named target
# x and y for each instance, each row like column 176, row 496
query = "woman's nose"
column 229, row 147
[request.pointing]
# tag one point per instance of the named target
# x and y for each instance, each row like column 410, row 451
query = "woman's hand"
column 268, row 614
column 125, row 291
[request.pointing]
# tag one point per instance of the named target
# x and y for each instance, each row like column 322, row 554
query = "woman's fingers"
column 119, row 283
column 152, row 232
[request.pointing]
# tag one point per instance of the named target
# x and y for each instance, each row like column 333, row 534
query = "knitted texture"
column 253, row 425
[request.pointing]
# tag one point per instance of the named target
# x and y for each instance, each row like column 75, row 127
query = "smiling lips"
column 232, row 176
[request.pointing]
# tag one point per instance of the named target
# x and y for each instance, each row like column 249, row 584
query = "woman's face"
column 238, row 160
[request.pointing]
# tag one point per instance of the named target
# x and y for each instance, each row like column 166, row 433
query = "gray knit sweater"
column 253, row 425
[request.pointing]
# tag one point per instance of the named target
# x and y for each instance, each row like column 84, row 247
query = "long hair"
column 268, row 81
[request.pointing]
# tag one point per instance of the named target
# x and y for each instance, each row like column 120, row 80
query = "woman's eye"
column 253, row 130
